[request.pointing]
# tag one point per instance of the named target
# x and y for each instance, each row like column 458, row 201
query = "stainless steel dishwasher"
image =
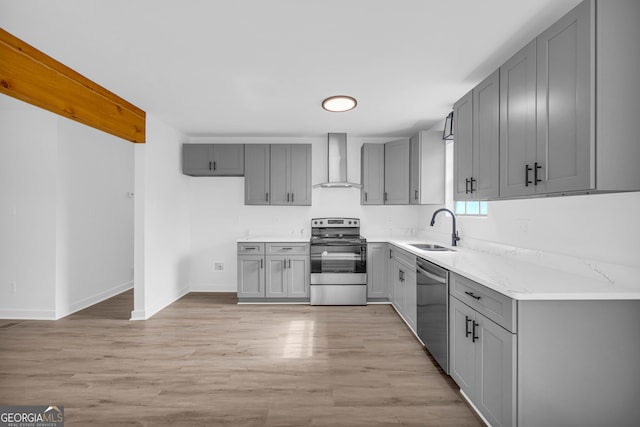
column 433, row 310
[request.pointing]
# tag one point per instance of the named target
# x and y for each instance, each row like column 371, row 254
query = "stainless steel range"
column 338, row 262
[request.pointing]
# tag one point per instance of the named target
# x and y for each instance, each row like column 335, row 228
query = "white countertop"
column 532, row 275
column 273, row 239
column 519, row 273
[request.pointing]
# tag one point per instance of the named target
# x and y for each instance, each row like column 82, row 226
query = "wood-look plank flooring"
column 206, row 361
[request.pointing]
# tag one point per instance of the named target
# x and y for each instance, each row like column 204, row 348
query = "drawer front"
column 251, row 248
column 404, row 257
column 496, row 306
column 287, row 248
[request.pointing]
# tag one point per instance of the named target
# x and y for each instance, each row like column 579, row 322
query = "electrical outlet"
column 218, row 266
column 14, row 287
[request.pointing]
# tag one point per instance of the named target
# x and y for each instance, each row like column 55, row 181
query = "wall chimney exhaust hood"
column 337, row 163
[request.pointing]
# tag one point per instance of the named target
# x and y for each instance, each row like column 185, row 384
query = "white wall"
column 66, row 225
column 28, row 138
column 162, row 234
column 219, row 217
column 597, row 227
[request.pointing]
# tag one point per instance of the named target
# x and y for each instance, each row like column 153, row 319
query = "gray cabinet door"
column 290, row 174
column 251, row 276
column 495, row 372
column 396, row 172
column 256, row 174
column 377, row 260
column 463, row 147
column 414, row 169
column 197, row 159
column 228, row 159
column 279, row 183
column 298, row 276
column 462, row 357
column 300, row 174
column 411, row 298
column 486, row 138
column 372, row 171
column 276, row 277
column 399, row 271
column 564, row 133
column 518, row 122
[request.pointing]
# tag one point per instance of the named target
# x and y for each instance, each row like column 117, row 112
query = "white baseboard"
column 27, row 314
column 210, row 287
column 159, row 305
column 95, row 299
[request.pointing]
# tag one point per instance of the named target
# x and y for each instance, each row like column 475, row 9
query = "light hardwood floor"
column 206, row 361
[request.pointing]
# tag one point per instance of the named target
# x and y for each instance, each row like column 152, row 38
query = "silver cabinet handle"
column 266, row 197
column 261, row 263
column 292, row 194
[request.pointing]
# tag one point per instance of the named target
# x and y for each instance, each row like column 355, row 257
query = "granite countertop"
column 533, row 275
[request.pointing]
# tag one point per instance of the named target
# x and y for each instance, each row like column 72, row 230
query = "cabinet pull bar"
column 471, row 181
column 385, row 196
column 209, row 165
column 416, row 195
column 261, row 264
column 526, row 175
column 466, row 186
column 292, row 196
column 472, row 295
column 467, row 332
column 365, row 196
column 214, row 165
column 250, row 248
column 287, row 197
column 536, row 180
column 474, row 337
column 289, row 263
column 286, row 249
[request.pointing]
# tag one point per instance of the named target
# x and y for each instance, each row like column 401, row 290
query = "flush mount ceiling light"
column 339, row 103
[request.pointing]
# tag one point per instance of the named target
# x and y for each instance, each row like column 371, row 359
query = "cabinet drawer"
column 287, row 248
column 404, row 257
column 250, row 248
column 496, row 306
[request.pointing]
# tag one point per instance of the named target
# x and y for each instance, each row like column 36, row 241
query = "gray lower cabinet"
column 483, row 363
column 213, row 159
column 257, row 174
column 372, row 174
column 290, row 182
column 377, row 280
column 251, row 279
column 396, row 172
column 403, row 280
column 288, row 271
column 273, row 271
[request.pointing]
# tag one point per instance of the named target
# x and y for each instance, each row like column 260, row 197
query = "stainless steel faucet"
column 454, row 234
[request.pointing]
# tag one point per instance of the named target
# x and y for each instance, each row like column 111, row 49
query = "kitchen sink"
column 429, row 247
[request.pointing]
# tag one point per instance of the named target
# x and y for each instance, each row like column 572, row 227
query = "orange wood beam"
column 34, row 77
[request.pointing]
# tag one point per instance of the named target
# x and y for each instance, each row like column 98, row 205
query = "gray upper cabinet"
column 564, row 132
column 213, row 159
column 256, row 174
column 426, row 168
column 477, row 141
column 372, row 174
column 396, row 172
column 518, row 121
column 290, row 166
column 484, row 182
column 463, row 146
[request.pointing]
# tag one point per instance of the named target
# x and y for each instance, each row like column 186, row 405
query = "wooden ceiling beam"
column 34, row 77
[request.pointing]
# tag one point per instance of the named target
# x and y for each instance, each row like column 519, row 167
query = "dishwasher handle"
column 439, row 279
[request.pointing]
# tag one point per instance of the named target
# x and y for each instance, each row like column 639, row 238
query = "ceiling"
column 263, row 67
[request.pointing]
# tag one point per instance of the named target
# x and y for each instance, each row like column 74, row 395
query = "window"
column 471, row 208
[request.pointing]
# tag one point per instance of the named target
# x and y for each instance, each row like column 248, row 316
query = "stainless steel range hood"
column 337, row 163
